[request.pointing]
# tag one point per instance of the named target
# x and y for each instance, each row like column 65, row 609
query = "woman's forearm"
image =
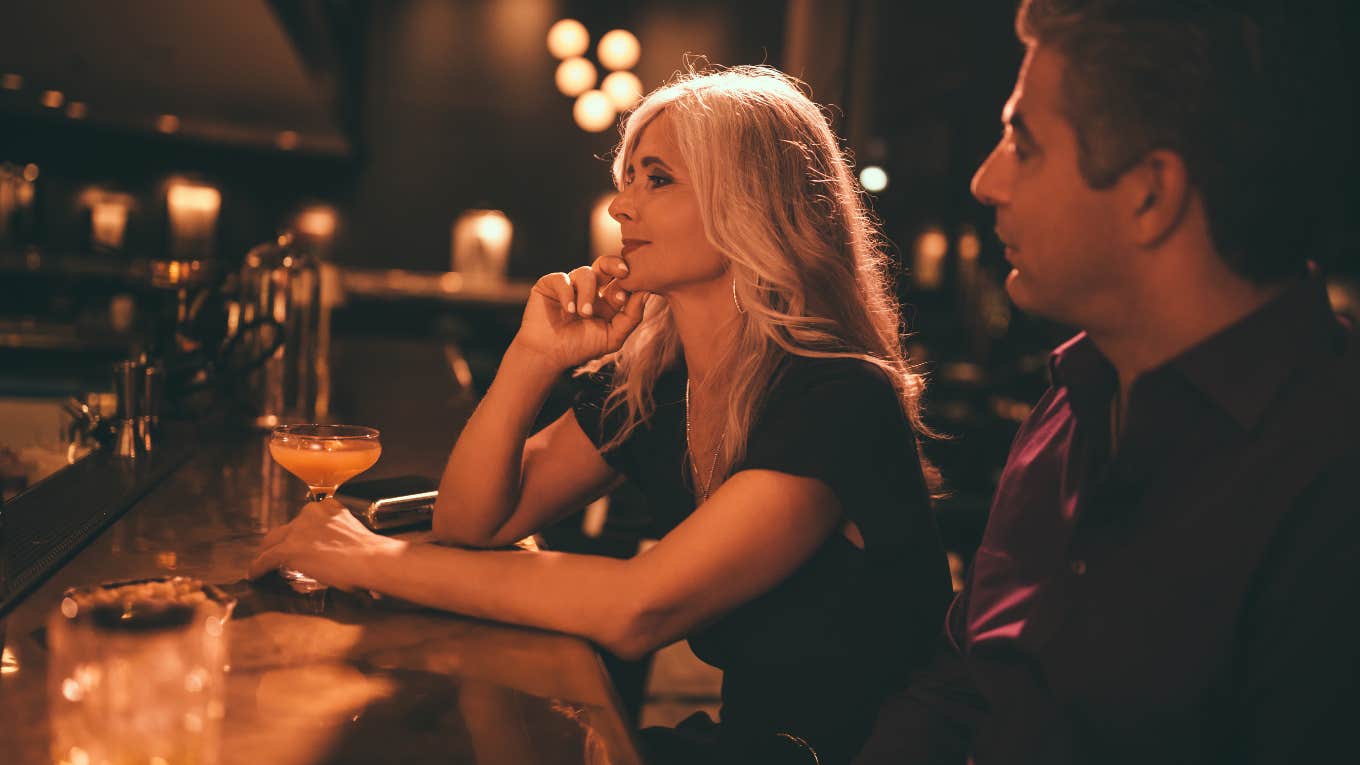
column 591, row 596
column 481, row 482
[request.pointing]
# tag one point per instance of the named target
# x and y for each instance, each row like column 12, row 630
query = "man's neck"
column 1161, row 322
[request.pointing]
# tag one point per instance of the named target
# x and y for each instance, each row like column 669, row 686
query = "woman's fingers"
column 557, row 287
column 268, row 560
column 627, row 318
column 610, row 270
column 275, row 536
column 583, row 284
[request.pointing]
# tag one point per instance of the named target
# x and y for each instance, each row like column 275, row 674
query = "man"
column 1168, row 572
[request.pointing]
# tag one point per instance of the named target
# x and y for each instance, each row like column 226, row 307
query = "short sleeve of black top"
column 815, row 653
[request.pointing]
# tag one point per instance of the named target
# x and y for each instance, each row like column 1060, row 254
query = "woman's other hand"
column 325, row 542
column 574, row 317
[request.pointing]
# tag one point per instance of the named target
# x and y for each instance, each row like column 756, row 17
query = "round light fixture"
column 575, row 76
column 619, row 49
column 593, row 111
column 873, row 178
column 623, row 88
column 568, row 38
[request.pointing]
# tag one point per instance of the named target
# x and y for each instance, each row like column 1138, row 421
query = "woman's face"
column 658, row 213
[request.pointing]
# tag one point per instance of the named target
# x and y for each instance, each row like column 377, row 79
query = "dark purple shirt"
column 1192, row 598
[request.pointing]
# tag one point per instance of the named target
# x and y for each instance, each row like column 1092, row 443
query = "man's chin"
column 1018, row 289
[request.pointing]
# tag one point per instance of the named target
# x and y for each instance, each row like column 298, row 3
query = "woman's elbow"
column 636, row 634
column 445, row 529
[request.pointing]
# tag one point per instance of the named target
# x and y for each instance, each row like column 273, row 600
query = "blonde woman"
column 744, row 367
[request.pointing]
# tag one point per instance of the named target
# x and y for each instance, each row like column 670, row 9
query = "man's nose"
column 989, row 182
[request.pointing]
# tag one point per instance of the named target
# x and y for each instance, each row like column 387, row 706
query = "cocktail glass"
column 323, row 456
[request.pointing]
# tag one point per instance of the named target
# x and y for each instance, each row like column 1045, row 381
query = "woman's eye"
column 656, row 181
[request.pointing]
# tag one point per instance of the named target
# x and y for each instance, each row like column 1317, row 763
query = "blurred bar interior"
column 144, row 154
column 294, row 208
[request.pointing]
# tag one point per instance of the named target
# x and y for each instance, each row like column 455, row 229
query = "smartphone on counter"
column 386, row 505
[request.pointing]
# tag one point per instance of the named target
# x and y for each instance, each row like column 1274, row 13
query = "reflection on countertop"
column 328, row 678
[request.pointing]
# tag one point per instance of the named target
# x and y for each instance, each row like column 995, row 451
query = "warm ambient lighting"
column 931, row 247
column 193, row 219
column 11, row 81
column 575, row 76
column 287, row 140
column 318, row 221
column 605, row 234
column 108, row 216
column 77, row 110
column 619, row 49
column 873, row 178
column 593, row 111
column 53, row 99
column 481, row 245
column 568, row 38
column 623, row 88
column 969, row 245
column 167, row 123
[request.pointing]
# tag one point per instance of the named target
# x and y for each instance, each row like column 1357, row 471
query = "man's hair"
column 1211, row 83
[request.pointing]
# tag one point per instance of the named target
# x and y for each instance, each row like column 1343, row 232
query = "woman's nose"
column 621, row 208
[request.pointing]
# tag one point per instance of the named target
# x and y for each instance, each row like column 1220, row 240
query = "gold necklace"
column 689, row 445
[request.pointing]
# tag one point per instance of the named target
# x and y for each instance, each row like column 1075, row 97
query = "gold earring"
column 734, row 296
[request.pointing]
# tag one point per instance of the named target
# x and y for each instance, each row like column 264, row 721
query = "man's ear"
column 1157, row 191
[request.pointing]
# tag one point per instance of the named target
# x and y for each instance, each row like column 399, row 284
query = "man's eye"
column 1020, row 152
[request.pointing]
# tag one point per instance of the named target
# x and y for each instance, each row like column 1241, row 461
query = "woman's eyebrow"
column 649, row 160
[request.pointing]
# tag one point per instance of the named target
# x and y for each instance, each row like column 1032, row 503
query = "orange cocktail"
column 323, row 456
column 324, row 464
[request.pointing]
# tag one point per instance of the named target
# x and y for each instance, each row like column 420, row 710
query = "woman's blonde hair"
column 778, row 199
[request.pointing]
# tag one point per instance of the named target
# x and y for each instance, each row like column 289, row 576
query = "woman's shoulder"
column 804, row 375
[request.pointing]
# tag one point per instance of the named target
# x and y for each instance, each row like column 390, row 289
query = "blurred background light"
column 11, row 81
column 77, row 110
column 568, row 38
column 318, row 221
column 167, row 123
column 605, row 235
column 969, row 246
column 286, row 140
column 53, row 99
column 873, row 178
column 30, row 172
column 619, row 49
column 575, row 76
column 623, row 88
column 594, row 112
column 928, row 264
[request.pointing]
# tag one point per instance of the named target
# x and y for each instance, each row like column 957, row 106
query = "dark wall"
column 460, row 111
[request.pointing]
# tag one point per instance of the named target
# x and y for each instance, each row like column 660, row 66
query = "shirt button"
column 1078, row 567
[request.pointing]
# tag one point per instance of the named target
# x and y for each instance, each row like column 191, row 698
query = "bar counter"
column 332, row 678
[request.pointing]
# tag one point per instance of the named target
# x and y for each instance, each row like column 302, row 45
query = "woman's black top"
column 813, row 656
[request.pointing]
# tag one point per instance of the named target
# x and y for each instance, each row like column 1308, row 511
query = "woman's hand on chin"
column 325, row 542
column 574, row 317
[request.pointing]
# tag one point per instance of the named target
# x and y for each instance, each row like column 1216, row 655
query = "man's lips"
column 631, row 244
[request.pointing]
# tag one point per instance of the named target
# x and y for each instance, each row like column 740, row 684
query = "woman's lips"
column 631, row 244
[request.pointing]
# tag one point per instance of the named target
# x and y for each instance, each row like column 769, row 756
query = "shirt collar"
column 1240, row 368
column 1243, row 366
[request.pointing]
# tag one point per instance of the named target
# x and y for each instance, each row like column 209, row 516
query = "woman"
column 745, row 370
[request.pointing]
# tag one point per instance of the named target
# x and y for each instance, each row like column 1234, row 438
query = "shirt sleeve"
column 838, row 421
column 588, row 406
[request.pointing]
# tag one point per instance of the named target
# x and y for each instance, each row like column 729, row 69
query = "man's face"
column 1061, row 236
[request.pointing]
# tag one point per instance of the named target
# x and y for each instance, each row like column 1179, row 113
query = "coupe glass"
column 323, row 456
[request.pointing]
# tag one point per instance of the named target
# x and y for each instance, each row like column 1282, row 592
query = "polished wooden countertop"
column 334, row 678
